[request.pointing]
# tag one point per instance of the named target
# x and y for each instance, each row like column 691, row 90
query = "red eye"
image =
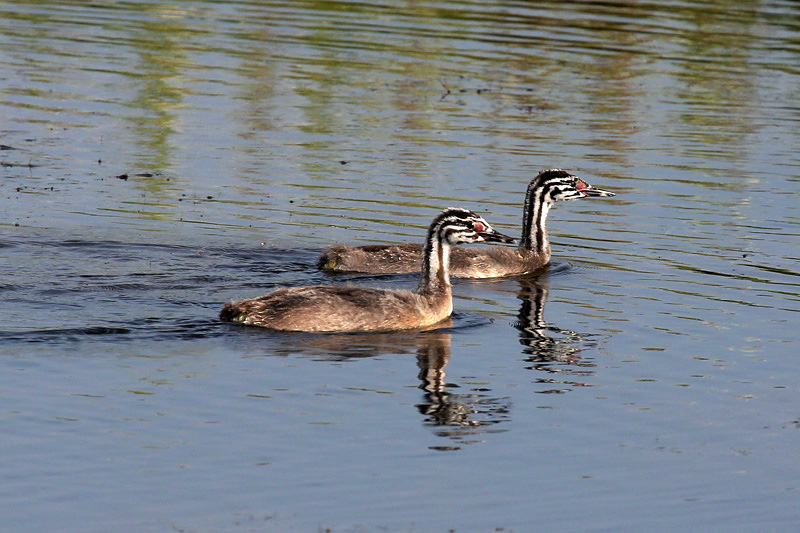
column 580, row 185
column 480, row 228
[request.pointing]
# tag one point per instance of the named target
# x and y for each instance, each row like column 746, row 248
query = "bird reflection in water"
column 459, row 416
column 550, row 349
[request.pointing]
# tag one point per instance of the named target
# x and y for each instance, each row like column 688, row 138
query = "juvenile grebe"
column 325, row 308
column 547, row 187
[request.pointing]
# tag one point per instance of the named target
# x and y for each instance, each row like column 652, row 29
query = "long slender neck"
column 534, row 220
column 435, row 266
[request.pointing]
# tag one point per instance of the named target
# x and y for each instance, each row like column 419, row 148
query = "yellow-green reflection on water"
column 162, row 158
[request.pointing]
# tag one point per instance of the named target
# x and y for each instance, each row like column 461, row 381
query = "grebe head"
column 557, row 185
column 461, row 226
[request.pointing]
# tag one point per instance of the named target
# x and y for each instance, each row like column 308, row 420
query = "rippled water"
column 160, row 159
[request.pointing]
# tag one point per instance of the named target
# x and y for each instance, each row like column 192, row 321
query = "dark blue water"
column 161, row 160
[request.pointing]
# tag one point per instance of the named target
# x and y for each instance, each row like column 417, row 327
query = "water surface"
column 161, row 159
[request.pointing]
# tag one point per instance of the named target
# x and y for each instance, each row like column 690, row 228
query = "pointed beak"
column 593, row 191
column 496, row 236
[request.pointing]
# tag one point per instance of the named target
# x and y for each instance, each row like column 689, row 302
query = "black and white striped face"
column 461, row 226
column 557, row 185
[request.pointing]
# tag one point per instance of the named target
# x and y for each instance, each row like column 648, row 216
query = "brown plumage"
column 405, row 258
column 533, row 252
column 327, row 308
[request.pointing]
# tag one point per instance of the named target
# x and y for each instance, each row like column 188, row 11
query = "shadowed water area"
column 160, row 159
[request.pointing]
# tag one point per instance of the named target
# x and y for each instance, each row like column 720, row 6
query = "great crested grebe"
column 533, row 252
column 325, row 308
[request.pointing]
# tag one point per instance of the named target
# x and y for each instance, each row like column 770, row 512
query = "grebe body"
column 533, row 252
column 326, row 308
